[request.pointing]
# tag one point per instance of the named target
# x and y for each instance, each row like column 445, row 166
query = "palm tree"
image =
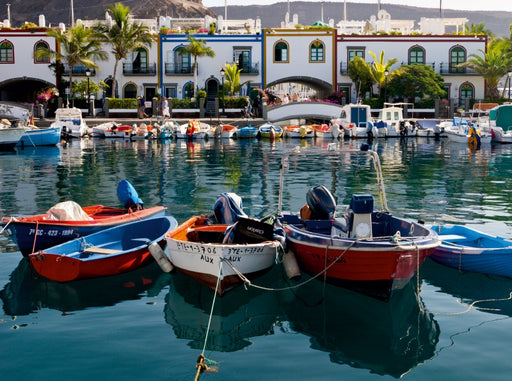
column 124, row 36
column 379, row 68
column 196, row 48
column 492, row 64
column 232, row 73
column 78, row 47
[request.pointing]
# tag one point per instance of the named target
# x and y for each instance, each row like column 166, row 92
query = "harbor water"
column 147, row 325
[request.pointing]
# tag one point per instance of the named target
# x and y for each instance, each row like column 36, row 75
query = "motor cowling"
column 321, row 202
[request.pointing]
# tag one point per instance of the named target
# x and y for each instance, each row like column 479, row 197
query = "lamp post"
column 88, row 74
column 509, row 74
column 386, row 73
column 222, row 91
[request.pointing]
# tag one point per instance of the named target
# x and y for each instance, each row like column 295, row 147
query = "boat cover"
column 66, row 211
column 228, row 208
column 128, row 195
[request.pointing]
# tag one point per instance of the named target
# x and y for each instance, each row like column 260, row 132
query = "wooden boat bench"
column 100, row 250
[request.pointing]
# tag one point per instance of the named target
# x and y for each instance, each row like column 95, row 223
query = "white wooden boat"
column 197, row 248
column 226, row 131
column 298, row 132
column 193, row 129
column 9, row 137
column 71, row 121
column 469, row 135
column 98, row 131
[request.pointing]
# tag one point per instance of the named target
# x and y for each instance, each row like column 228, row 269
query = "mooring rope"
column 35, row 236
column 201, row 366
column 7, row 224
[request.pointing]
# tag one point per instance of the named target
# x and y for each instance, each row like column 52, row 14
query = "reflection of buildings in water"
column 386, row 338
column 26, row 292
column 237, row 317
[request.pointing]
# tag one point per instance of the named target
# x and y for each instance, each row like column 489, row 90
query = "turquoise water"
column 147, row 325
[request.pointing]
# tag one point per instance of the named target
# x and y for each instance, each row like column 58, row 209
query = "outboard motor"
column 321, row 203
column 360, row 216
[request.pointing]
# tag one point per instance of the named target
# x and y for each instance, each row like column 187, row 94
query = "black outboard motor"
column 321, row 203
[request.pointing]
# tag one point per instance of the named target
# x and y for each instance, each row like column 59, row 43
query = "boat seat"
column 101, row 250
column 451, row 237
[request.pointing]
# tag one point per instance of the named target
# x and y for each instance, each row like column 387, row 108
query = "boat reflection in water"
column 26, row 292
column 491, row 293
column 388, row 338
column 237, row 316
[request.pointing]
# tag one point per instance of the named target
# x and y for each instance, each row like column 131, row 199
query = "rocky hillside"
column 56, row 11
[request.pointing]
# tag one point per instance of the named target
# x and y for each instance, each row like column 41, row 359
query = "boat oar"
column 160, row 257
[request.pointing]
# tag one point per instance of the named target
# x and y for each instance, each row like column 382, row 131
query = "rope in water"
column 201, row 366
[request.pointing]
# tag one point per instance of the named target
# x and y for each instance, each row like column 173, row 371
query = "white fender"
column 291, row 267
column 160, row 257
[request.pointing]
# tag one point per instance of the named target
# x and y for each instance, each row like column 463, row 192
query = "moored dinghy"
column 67, row 220
column 366, row 250
column 220, row 253
column 109, row 252
column 471, row 250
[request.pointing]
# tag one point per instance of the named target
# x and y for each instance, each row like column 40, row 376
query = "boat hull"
column 470, row 250
column 33, row 233
column 110, row 252
column 41, row 137
column 9, row 137
column 209, row 262
column 374, row 266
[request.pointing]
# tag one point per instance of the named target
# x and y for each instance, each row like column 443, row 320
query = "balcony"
column 446, row 69
column 130, row 69
column 250, row 69
column 78, row 70
column 178, row 69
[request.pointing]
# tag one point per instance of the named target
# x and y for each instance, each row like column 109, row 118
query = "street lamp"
column 509, row 74
column 88, row 74
column 222, row 73
column 386, row 73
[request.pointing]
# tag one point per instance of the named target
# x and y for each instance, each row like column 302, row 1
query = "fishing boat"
column 247, row 132
column 368, row 250
column 356, row 121
column 468, row 249
column 192, row 130
column 71, row 121
column 300, row 132
column 222, row 253
column 98, row 131
column 468, row 134
column 501, row 128
column 327, row 131
column 10, row 136
column 270, row 131
column 225, row 131
column 427, row 127
column 67, row 220
column 141, row 132
column 123, row 131
column 36, row 137
column 109, row 252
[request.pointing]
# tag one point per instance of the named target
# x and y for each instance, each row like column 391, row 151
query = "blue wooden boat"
column 468, row 249
column 67, row 220
column 247, row 132
column 41, row 137
column 109, row 252
column 271, row 131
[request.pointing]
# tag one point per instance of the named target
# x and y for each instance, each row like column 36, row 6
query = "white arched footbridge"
column 309, row 110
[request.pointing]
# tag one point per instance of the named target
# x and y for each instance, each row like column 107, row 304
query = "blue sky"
column 489, row 5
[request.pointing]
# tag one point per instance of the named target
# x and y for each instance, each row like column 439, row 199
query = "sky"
column 473, row 5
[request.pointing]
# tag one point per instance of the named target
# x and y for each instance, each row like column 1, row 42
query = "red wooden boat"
column 109, row 252
column 370, row 251
column 66, row 221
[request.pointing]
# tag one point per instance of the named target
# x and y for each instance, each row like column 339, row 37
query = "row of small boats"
column 364, row 247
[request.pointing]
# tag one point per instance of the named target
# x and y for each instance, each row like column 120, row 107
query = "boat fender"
column 291, row 267
column 160, row 257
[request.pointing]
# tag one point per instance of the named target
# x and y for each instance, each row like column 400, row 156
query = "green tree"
column 492, row 64
column 379, row 68
column 232, row 73
column 503, row 44
column 478, row 29
column 83, row 87
column 414, row 81
column 123, row 36
column 196, row 48
column 360, row 73
column 78, row 47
